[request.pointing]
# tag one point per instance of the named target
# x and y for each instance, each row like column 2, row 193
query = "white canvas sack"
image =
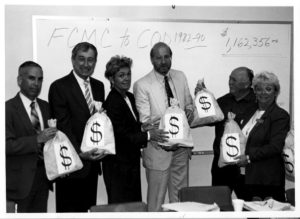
column 289, row 156
column 99, row 133
column 60, row 157
column 233, row 142
column 175, row 122
column 206, row 108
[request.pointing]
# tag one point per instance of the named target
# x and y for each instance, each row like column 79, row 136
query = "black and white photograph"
column 175, row 109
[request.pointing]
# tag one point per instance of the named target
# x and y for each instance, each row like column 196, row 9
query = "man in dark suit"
column 26, row 132
column 241, row 101
column 71, row 101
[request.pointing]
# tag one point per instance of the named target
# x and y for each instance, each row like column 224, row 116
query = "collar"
column 26, row 101
column 160, row 77
column 114, row 90
column 79, row 79
column 250, row 97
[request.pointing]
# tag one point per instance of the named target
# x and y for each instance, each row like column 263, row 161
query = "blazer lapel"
column 177, row 84
column 77, row 92
column 159, row 98
column 262, row 119
column 136, row 114
column 95, row 91
column 122, row 101
column 134, row 110
column 45, row 113
column 25, row 120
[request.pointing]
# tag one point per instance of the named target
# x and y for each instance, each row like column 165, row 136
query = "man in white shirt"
column 165, row 168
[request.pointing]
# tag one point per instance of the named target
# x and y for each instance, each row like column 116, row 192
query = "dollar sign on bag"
column 231, row 154
column 97, row 135
column 67, row 161
column 175, row 128
column 205, row 105
column 288, row 165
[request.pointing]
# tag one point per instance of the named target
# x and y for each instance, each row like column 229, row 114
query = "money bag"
column 233, row 142
column 175, row 122
column 99, row 133
column 60, row 157
column 289, row 156
column 206, row 107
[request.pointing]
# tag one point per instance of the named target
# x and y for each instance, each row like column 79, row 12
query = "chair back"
column 120, row 207
column 221, row 195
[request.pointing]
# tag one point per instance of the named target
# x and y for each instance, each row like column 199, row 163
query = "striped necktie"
column 168, row 90
column 35, row 118
column 88, row 97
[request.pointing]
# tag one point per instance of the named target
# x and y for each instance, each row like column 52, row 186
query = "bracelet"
column 248, row 159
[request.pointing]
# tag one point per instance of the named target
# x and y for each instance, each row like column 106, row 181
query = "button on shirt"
column 26, row 102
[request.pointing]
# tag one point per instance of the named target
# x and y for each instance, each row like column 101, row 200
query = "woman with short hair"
column 266, row 132
column 121, row 172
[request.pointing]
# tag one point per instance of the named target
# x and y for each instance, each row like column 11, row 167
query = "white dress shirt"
column 26, row 102
column 82, row 86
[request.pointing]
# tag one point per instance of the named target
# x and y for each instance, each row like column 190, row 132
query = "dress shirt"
column 82, row 86
column 129, row 105
column 251, row 123
column 161, row 80
column 26, row 102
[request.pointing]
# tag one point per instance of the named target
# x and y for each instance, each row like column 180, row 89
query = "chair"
column 221, row 195
column 120, row 207
column 290, row 196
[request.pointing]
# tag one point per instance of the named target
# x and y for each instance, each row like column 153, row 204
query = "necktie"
column 36, row 125
column 168, row 89
column 35, row 118
column 88, row 97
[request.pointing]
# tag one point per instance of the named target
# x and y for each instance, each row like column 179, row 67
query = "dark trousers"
column 226, row 176
column 248, row 192
column 37, row 200
column 122, row 181
column 264, row 192
column 76, row 194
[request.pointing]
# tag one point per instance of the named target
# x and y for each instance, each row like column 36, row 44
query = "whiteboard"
column 201, row 49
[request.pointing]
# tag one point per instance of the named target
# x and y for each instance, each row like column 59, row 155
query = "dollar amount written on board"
column 249, row 43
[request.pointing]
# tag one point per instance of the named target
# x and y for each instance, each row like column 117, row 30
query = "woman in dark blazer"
column 121, row 172
column 266, row 132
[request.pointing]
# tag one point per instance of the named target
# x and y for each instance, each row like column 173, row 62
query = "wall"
column 18, row 47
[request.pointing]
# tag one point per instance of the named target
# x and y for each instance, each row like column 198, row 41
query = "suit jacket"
column 68, row 105
column 264, row 147
column 129, row 138
column 21, row 147
column 151, row 103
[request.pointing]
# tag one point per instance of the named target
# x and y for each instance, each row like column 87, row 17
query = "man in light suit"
column 26, row 132
column 71, row 100
column 165, row 168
